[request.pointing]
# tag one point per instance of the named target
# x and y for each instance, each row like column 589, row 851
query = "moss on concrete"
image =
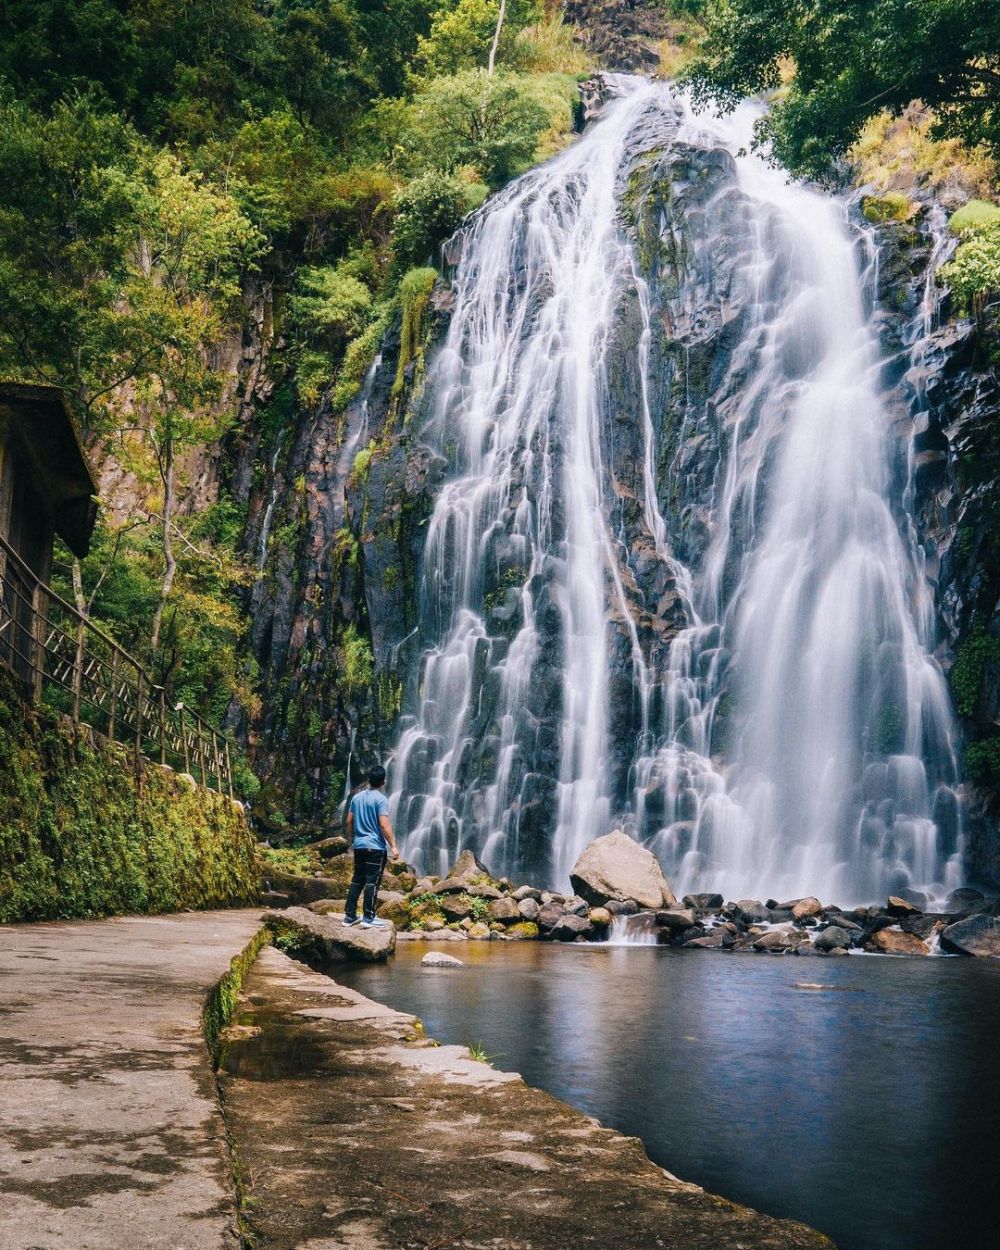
column 82, row 833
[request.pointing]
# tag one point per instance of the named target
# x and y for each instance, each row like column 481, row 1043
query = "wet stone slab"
column 355, row 1132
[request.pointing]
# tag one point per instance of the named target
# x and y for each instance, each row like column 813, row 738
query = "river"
column 858, row 1095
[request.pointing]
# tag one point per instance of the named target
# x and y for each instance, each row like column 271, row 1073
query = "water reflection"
column 866, row 1107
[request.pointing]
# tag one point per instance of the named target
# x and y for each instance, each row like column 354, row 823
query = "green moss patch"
column 82, row 833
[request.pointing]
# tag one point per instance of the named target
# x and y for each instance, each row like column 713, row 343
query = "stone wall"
column 83, row 834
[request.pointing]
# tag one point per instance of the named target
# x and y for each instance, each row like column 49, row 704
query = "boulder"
column 964, row 899
column 274, row 898
column 523, row 931
column 622, row 906
column 302, row 891
column 775, row 942
column 922, row 924
column 703, row 902
column 576, row 905
column 479, row 932
column 528, row 909
column 504, row 909
column 328, row 906
column 895, row 942
column 550, row 915
column 327, row 847
column 433, row 924
column 617, row 867
column 525, row 892
column 571, row 927
column 676, row 918
column 804, row 907
column 750, row 910
column 897, row 906
column 832, row 938
column 469, row 870
column 438, row 959
column 456, row 906
column 711, row 941
column 976, row 935
column 600, row 917
column 330, row 940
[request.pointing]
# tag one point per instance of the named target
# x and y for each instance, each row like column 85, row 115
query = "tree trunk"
column 166, row 459
column 496, row 37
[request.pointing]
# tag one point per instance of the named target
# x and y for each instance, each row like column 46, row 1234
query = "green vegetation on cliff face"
column 209, row 219
column 82, row 835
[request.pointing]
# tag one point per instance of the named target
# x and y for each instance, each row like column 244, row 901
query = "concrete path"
column 110, row 1132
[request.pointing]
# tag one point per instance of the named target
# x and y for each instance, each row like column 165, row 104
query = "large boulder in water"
column 976, row 935
column 328, row 939
column 617, row 867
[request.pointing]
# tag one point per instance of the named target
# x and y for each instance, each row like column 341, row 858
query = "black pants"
column 368, row 869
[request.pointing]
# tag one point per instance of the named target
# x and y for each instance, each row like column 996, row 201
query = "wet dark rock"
column 568, row 928
column 898, row 906
column 976, row 935
column 549, row 915
column 922, row 924
column 831, row 937
column 963, row 899
column 710, row 941
column 749, row 910
column 703, row 902
column 677, row 918
column 622, row 906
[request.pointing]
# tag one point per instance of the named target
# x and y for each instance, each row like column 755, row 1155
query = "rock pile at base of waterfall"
column 614, row 879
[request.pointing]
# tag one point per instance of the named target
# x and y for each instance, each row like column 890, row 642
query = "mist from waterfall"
column 799, row 738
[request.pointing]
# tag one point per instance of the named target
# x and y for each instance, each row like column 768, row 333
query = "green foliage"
column 461, row 35
column 414, row 296
column 889, row 207
column 358, row 359
column 491, row 122
column 842, row 61
column 479, row 908
column 973, row 217
column 967, row 671
column 329, row 308
column 982, row 762
column 428, row 211
column 81, row 835
column 973, row 273
column 359, row 663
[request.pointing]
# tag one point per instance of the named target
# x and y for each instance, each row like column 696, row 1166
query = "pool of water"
column 860, row 1095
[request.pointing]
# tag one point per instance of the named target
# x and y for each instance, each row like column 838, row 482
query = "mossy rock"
column 524, row 931
column 397, row 912
column 893, row 206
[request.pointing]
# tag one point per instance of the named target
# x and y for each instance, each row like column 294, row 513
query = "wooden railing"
column 63, row 657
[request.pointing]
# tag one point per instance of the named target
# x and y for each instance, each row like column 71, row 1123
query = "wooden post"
column 201, row 753
column 218, row 762
column 78, row 671
column 229, row 770
column 184, row 738
column 113, row 707
column 138, row 716
column 163, row 725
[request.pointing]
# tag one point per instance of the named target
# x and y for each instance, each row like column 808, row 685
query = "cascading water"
column 795, row 735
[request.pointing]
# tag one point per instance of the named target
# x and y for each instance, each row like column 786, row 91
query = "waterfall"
column 795, row 735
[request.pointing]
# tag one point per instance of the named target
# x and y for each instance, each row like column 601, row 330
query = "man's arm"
column 349, row 825
column 385, row 825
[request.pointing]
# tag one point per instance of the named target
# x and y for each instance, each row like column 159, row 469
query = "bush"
column 460, row 37
column 414, row 296
column 975, row 216
column 428, row 211
column 974, row 272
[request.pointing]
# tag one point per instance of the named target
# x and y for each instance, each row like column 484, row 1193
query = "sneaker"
column 351, row 920
column 374, row 924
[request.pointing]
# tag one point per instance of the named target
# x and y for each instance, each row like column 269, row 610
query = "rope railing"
column 61, row 655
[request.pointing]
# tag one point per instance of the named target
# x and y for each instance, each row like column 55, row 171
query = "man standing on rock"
column 368, row 824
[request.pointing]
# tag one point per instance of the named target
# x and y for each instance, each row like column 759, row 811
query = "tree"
column 490, row 122
column 120, row 273
column 848, row 60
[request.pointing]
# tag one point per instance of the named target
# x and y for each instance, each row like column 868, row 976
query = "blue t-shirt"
column 367, row 806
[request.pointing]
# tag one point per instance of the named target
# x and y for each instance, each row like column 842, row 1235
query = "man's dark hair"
column 376, row 776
